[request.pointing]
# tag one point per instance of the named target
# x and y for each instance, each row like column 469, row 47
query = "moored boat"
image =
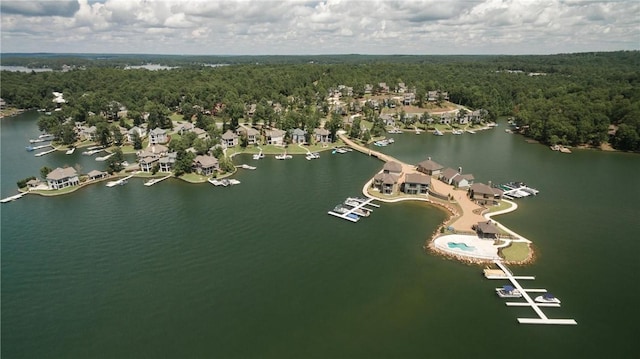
column 438, row 132
column 547, row 298
column 508, row 291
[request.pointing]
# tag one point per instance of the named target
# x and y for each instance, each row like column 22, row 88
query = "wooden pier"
column 153, row 181
column 543, row 319
column 45, row 152
column 120, row 182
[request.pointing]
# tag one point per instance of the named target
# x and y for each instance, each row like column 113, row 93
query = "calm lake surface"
column 260, row 270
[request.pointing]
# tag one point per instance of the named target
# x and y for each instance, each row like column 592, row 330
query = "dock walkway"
column 543, row 319
column 120, row 182
column 153, row 181
column 350, row 213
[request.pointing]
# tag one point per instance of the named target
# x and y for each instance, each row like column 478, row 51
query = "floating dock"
column 153, row 181
column 12, row 198
column 45, row 152
column 120, row 182
column 543, row 319
column 33, row 148
column 350, row 214
column 104, row 158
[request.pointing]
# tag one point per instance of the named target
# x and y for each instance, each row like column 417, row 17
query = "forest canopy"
column 570, row 99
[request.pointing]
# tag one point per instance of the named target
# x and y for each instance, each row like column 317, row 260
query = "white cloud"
column 332, row 26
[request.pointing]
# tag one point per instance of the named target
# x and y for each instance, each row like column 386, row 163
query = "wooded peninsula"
column 566, row 99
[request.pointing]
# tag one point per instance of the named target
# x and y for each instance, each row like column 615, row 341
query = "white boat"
column 215, row 182
column 233, row 181
column 381, row 143
column 340, row 150
column 247, row 167
column 71, row 150
column 284, row 156
column 258, row 156
column 547, row 298
column 395, row 130
column 457, row 132
column 438, row 132
column 391, row 140
column 471, row 131
column 312, row 156
column 508, row 291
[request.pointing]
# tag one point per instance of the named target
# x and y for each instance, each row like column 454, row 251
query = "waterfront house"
column 200, row 133
column 322, row 135
column 157, row 135
column 416, row 183
column 447, row 175
column 487, row 230
column 229, row 139
column 408, row 98
column 274, row 137
column 166, row 162
column 298, row 135
column 88, row 133
column 185, row 127
column 484, row 194
column 147, row 163
column 62, row 177
column 429, row 167
column 386, row 183
column 96, row 175
column 393, row 168
column 253, row 136
column 388, row 119
column 205, row 165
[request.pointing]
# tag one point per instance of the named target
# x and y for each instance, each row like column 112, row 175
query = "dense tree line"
column 568, row 99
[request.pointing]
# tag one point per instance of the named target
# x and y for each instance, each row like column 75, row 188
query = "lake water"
column 178, row 270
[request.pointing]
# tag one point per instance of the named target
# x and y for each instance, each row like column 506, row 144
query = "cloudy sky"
column 268, row 27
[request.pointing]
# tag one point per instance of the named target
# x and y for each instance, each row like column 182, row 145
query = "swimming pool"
column 462, row 246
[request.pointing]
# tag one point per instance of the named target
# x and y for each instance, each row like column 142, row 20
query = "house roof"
column 249, row 131
column 148, row 159
column 430, row 165
column 449, row 173
column 487, row 228
column 482, row 188
column 157, row 131
column 298, row 132
column 61, row 173
column 96, row 173
column 386, row 178
column 229, row 135
column 274, row 133
column 321, row 131
column 392, row 166
column 159, row 149
column 206, row 161
column 417, row 178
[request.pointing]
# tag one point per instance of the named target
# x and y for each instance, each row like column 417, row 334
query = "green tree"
column 114, row 163
column 184, row 162
column 334, row 124
column 137, row 141
column 44, row 171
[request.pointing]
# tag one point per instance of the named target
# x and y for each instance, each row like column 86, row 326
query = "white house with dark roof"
column 205, row 165
column 166, row 162
column 386, row 183
column 462, row 180
column 416, row 183
column 62, row 177
column 274, row 137
column 229, row 139
column 135, row 130
column 157, row 135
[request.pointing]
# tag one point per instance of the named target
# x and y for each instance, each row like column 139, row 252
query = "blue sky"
column 225, row 27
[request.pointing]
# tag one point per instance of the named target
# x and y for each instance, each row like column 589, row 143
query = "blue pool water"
column 462, row 246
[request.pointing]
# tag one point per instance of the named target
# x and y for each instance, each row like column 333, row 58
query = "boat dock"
column 12, row 198
column 45, row 152
column 33, row 148
column 357, row 205
column 543, row 319
column 105, row 157
column 153, row 181
column 120, row 182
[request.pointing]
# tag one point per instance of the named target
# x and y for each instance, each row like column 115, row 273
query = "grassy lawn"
column 56, row 192
column 175, row 117
column 516, row 252
column 128, row 149
column 193, row 178
column 292, row 149
column 502, row 205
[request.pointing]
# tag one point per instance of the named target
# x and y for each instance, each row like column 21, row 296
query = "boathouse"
column 62, row 177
